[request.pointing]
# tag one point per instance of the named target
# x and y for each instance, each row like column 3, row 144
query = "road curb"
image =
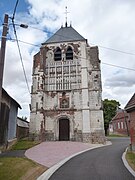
column 47, row 174
column 126, row 163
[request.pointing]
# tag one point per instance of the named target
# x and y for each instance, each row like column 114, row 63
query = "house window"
column 122, row 127
column 114, row 125
column 118, row 125
column 57, row 54
column 69, row 53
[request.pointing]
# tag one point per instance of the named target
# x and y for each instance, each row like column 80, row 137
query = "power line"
column 118, row 66
column 15, row 9
column 25, row 42
column 39, row 29
column 104, row 47
column 21, row 59
column 113, row 65
column 19, row 46
column 82, row 57
column 12, row 39
column 120, row 51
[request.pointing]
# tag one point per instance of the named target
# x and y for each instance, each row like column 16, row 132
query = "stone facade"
column 66, row 95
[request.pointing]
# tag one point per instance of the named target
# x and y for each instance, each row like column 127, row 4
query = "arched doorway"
column 64, row 130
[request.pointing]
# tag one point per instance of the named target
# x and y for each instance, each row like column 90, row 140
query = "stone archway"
column 56, row 125
column 64, row 129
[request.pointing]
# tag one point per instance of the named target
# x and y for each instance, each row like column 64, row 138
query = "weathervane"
column 66, row 12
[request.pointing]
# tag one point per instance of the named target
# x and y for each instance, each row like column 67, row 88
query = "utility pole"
column 2, row 55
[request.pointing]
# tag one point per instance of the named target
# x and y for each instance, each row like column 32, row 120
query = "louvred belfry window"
column 69, row 53
column 57, row 54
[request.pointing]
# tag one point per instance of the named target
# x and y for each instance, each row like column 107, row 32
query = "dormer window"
column 69, row 53
column 57, row 54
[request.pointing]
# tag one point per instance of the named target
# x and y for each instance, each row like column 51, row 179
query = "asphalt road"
column 104, row 163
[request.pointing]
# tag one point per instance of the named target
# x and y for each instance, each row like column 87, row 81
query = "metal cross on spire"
column 66, row 12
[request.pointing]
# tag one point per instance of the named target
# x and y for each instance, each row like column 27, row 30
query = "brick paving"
column 50, row 153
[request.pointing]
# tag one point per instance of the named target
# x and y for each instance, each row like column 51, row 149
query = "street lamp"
column 22, row 25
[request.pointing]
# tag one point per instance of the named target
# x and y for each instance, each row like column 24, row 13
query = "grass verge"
column 130, row 157
column 24, row 144
column 19, row 168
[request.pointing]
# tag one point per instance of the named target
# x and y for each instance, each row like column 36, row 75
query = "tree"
column 109, row 108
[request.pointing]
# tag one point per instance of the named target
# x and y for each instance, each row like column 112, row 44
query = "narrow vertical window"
column 121, row 125
column 118, row 125
column 57, row 54
column 69, row 53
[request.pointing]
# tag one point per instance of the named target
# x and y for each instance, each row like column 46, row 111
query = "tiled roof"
column 6, row 94
column 65, row 34
column 131, row 103
column 120, row 115
column 22, row 123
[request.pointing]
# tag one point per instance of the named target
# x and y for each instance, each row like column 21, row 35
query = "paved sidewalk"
column 50, row 153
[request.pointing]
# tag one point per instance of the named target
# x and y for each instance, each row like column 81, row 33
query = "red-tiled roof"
column 131, row 103
column 120, row 115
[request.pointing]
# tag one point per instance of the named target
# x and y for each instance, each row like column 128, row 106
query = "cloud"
column 105, row 23
column 121, row 80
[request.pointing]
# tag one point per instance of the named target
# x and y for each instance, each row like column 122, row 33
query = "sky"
column 108, row 24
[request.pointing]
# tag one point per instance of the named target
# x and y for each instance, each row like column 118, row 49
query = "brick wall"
column 120, row 124
column 120, row 127
column 132, row 128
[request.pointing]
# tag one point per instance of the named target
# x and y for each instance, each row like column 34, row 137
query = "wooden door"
column 64, row 130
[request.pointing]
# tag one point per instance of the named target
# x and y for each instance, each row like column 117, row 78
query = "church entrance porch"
column 64, row 130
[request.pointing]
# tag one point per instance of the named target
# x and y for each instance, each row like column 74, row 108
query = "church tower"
column 66, row 97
